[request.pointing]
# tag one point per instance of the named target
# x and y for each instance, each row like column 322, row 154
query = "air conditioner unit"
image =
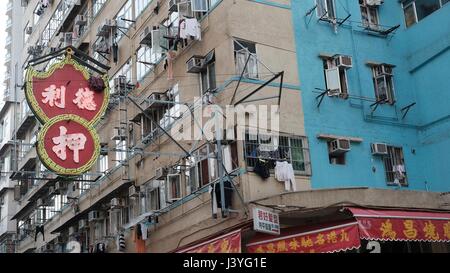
column 340, row 146
column 146, row 36
column 59, row 186
column 373, row 2
column 82, row 224
column 344, row 61
column 40, row 202
column 133, row 191
column 105, row 28
column 72, row 230
column 116, row 203
column 160, row 173
column 173, row 5
column 29, row 30
column 379, row 149
column 195, row 64
column 95, row 215
column 80, row 20
column 66, row 38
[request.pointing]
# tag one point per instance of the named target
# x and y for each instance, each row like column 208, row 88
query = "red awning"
column 396, row 225
column 228, row 243
column 320, row 239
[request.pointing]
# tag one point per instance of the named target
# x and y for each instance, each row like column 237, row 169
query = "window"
column 394, row 164
column 336, row 80
column 242, row 51
column 97, row 5
column 121, row 151
column 126, row 71
column 140, row 6
column 103, row 163
column 125, row 13
column 384, row 84
column 174, row 113
column 208, row 76
column 369, row 14
column 326, row 9
column 416, row 10
column 173, row 187
column 152, row 195
column 146, row 58
column 274, row 148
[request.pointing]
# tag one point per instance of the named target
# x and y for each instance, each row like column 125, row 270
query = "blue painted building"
column 376, row 73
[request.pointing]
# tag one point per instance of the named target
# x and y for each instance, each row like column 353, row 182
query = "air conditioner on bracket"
column 339, row 146
column 116, row 203
column 379, row 149
column 160, row 172
column 80, row 20
column 82, row 224
column 29, row 30
column 133, row 191
column 195, row 64
column 146, row 36
column 72, row 230
column 95, row 215
column 344, row 61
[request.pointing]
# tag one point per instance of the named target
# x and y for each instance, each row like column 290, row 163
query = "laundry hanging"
column 190, row 27
column 284, row 172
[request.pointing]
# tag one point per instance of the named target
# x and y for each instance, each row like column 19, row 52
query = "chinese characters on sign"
column 65, row 104
column 266, row 221
column 75, row 142
column 228, row 243
column 333, row 239
column 405, row 229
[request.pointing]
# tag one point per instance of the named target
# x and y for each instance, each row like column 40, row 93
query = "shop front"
column 363, row 231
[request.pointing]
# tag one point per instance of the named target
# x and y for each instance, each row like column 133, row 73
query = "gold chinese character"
column 430, row 231
column 224, row 246
column 211, row 248
column 332, row 237
column 410, row 232
column 271, row 248
column 260, row 249
column 344, row 236
column 294, row 245
column 281, row 246
column 307, row 242
column 447, row 230
column 320, row 239
column 387, row 231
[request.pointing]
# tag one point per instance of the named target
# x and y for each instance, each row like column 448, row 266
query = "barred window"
column 293, row 149
column 395, row 167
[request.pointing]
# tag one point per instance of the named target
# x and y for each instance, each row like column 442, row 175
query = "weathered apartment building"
column 143, row 176
column 361, row 98
column 9, row 117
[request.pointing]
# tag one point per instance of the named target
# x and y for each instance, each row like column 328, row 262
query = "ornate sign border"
column 68, row 60
column 50, row 164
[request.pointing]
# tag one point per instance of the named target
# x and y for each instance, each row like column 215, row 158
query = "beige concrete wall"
column 275, row 48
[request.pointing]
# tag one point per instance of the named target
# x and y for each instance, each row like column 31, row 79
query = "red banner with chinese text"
column 228, row 243
column 331, row 239
column 393, row 225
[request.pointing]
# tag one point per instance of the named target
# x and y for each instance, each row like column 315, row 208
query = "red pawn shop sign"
column 68, row 101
